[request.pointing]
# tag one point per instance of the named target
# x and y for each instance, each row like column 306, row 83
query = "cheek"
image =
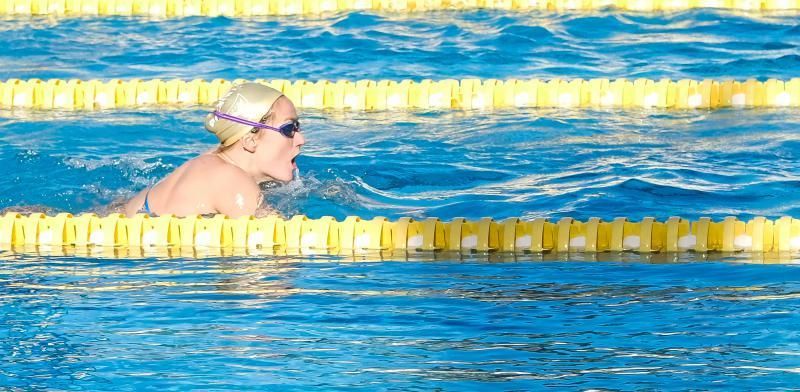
column 275, row 152
column 267, row 155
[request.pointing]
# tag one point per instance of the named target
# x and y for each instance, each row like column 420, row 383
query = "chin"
column 285, row 178
column 277, row 175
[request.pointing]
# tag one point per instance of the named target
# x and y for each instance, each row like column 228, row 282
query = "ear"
column 249, row 142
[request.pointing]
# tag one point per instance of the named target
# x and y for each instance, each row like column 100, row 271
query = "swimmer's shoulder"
column 211, row 168
column 234, row 192
column 215, row 168
column 208, row 162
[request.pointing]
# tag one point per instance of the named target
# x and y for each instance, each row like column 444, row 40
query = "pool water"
column 449, row 322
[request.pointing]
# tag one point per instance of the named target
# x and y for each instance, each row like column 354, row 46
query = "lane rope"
column 245, row 8
column 307, row 236
column 380, row 95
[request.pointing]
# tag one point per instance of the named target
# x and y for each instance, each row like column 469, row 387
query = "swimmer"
column 260, row 140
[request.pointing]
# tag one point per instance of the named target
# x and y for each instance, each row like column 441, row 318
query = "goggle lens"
column 289, row 129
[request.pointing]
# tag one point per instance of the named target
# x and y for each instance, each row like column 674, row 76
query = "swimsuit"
column 146, row 207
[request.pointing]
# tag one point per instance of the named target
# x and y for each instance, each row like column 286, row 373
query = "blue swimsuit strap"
column 146, row 206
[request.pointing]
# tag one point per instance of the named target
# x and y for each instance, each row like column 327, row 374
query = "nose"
column 299, row 139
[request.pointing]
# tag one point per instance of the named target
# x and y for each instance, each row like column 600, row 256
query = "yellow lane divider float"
column 354, row 235
column 234, row 8
column 407, row 94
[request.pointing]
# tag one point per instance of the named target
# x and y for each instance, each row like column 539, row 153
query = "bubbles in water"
column 27, row 156
column 292, row 198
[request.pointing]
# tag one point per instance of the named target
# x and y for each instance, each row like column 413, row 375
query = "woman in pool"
column 259, row 141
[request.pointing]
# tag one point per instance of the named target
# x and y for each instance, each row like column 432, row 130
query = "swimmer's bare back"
column 206, row 184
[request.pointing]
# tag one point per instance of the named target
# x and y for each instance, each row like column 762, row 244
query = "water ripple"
column 693, row 44
column 465, row 322
column 254, row 324
column 528, row 164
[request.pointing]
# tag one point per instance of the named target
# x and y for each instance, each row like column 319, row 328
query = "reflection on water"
column 257, row 323
column 106, row 319
column 281, row 255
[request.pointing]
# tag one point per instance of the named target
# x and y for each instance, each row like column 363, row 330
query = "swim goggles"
column 288, row 129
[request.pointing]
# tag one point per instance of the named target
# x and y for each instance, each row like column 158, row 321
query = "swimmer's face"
column 275, row 154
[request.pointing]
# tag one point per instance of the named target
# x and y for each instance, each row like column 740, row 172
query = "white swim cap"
column 246, row 101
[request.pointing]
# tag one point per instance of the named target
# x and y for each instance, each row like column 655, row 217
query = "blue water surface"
column 528, row 164
column 418, row 321
column 693, row 44
column 254, row 324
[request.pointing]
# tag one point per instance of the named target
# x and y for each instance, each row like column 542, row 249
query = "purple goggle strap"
column 242, row 121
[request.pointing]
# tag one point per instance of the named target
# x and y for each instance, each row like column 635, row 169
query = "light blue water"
column 528, row 164
column 451, row 324
column 697, row 44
